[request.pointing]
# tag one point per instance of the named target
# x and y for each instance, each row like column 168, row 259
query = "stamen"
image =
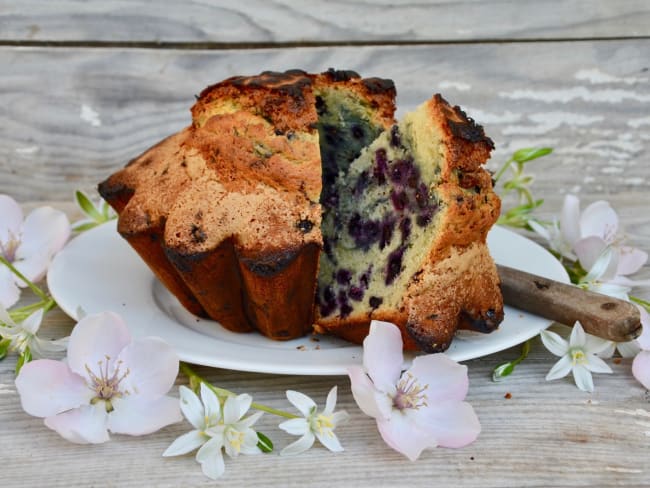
column 578, row 356
column 409, row 394
column 105, row 387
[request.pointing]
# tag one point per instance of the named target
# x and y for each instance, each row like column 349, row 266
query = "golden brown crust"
column 231, row 204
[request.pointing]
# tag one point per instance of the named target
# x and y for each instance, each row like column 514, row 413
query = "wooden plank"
column 261, row 21
column 98, row 108
column 546, row 434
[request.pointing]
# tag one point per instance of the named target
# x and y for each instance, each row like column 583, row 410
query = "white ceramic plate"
column 98, row 271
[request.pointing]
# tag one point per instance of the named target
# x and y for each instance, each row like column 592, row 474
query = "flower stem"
column 640, row 301
column 37, row 291
column 222, row 392
column 503, row 169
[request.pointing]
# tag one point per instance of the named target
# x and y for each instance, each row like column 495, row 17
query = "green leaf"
column 264, row 443
column 503, row 370
column 23, row 359
column 530, row 153
column 4, row 347
column 87, row 206
column 85, row 226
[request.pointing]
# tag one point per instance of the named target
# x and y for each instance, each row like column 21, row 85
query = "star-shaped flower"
column 23, row 336
column 314, row 425
column 579, row 356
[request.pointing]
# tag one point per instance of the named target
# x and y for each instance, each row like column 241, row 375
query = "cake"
column 294, row 201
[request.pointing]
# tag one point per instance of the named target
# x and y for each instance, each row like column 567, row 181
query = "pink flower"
column 108, row 382
column 641, row 363
column 29, row 246
column 418, row 409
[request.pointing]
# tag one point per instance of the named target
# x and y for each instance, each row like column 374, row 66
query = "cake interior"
column 380, row 214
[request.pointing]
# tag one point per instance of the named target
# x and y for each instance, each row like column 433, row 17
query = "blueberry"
column 346, row 310
column 320, row 105
column 405, row 228
column 394, row 266
column 305, row 225
column 424, row 219
column 361, row 184
column 357, row 132
column 356, row 293
column 401, row 171
column 342, row 297
column 375, row 302
column 343, row 276
column 422, row 195
column 395, row 138
column 400, row 200
column 328, row 295
column 387, row 229
column 364, row 280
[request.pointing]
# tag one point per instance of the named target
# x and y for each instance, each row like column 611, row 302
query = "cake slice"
column 405, row 239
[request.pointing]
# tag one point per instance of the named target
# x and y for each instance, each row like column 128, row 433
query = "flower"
column 418, row 409
column 23, row 336
column 313, row 425
column 108, row 383
column 28, row 246
column 641, row 363
column 579, row 355
column 212, row 431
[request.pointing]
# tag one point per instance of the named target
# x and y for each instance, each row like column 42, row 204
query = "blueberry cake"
column 227, row 212
column 404, row 233
column 295, row 201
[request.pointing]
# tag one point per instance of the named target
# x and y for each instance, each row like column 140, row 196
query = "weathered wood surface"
column 261, row 21
column 70, row 117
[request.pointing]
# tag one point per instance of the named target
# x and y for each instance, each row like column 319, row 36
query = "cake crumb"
column 314, row 339
column 507, row 396
column 617, row 361
column 301, row 348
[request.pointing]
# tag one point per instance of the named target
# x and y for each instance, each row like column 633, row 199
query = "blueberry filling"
column 394, row 266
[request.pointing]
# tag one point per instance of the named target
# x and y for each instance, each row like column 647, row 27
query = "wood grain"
column 284, row 21
column 98, row 108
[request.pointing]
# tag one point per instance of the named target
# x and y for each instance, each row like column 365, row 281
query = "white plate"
column 98, row 271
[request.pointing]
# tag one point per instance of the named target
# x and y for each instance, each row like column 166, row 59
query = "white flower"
column 420, row 408
column 28, row 246
column 579, row 356
column 108, row 382
column 214, row 431
column 23, row 336
column 314, row 424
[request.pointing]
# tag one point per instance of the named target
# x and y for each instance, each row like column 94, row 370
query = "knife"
column 600, row 315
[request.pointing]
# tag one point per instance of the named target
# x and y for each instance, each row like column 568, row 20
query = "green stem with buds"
column 195, row 380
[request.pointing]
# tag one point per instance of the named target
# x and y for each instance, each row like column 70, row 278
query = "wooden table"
column 85, row 86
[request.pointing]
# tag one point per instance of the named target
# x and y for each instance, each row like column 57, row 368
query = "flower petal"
column 33, row 267
column 247, row 422
column 452, row 424
column 211, row 458
column 560, row 369
column 236, row 407
column 443, row 378
column 578, row 337
column 597, row 365
column 595, row 256
column 330, row 403
column 94, row 338
column 382, row 355
column 302, row 402
column 554, row 343
column 597, row 345
column 83, row 425
column 644, row 338
column 627, row 349
column 599, row 219
column 11, row 219
column 32, row 323
column 641, row 368
column 249, row 445
column 212, row 407
column 48, row 387
column 340, row 417
column 631, row 260
column 152, row 365
column 192, row 407
column 185, row 443
column 299, row 446
column 606, row 352
column 9, row 291
column 583, row 379
column 372, row 402
column 570, row 219
column 133, row 416
column 328, row 439
column 295, row 426
column 44, row 229
column 405, row 436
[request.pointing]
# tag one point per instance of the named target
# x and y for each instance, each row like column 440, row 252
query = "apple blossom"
column 418, row 409
column 108, row 383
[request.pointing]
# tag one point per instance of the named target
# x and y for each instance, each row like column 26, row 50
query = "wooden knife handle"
column 600, row 315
